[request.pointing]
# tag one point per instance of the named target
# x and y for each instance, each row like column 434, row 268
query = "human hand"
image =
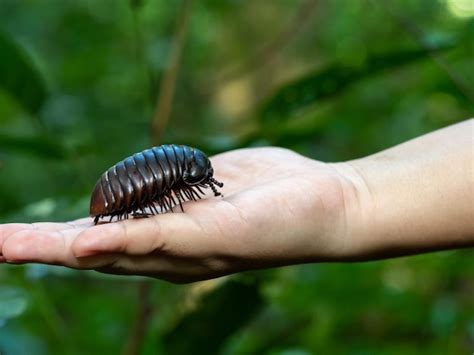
column 278, row 208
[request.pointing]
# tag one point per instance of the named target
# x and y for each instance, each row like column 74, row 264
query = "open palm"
column 278, row 208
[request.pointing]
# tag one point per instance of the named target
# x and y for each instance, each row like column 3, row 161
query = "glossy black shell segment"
column 156, row 179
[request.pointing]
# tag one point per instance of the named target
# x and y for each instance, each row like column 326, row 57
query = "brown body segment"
column 117, row 190
column 126, row 184
column 98, row 204
column 138, row 183
column 163, row 163
column 147, row 176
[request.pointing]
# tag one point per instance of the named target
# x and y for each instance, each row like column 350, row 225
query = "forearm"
column 415, row 197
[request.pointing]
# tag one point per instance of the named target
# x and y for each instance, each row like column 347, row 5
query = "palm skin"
column 278, row 208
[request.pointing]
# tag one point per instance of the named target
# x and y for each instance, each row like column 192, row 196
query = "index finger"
column 7, row 230
column 25, row 241
column 172, row 233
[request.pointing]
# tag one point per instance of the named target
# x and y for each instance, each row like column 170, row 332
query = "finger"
column 33, row 245
column 142, row 236
column 10, row 228
column 6, row 230
column 49, row 247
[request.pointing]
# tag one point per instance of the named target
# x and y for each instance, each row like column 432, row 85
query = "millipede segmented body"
column 158, row 178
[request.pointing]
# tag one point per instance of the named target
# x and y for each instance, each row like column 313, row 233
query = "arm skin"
column 416, row 197
column 281, row 208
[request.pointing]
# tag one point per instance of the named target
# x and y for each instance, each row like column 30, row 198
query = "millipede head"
column 199, row 169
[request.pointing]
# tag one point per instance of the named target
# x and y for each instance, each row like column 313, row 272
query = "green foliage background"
column 334, row 80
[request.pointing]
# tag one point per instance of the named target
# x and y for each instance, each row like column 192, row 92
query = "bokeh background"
column 84, row 84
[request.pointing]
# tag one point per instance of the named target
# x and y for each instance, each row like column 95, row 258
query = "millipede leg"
column 161, row 204
column 199, row 189
column 153, row 208
column 164, row 204
column 168, row 203
column 178, row 194
column 195, row 193
column 172, row 199
column 188, row 195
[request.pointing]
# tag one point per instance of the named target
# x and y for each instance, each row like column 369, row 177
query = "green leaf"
column 38, row 146
column 12, row 302
column 330, row 81
column 220, row 314
column 19, row 77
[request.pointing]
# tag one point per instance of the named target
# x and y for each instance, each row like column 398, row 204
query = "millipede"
column 153, row 179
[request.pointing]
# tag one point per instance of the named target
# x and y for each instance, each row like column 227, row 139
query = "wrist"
column 358, row 212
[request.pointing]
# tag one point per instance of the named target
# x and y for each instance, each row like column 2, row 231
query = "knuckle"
column 157, row 240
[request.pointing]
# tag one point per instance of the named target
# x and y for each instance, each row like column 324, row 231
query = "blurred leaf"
column 19, row 341
column 18, row 75
column 43, row 147
column 12, row 302
column 221, row 313
column 271, row 327
column 330, row 81
column 136, row 4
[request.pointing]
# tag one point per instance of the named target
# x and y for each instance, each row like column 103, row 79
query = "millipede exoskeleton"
column 153, row 179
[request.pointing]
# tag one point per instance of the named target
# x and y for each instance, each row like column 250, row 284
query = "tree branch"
column 270, row 51
column 168, row 82
column 142, row 320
